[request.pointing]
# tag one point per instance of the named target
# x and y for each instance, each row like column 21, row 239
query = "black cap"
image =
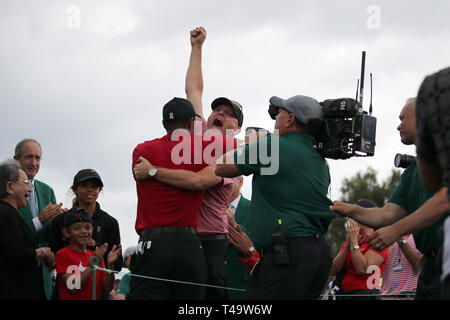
column 76, row 214
column 178, row 109
column 87, row 174
column 366, row 203
column 237, row 108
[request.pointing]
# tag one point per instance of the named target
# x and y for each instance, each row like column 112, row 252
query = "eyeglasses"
column 250, row 130
column 27, row 182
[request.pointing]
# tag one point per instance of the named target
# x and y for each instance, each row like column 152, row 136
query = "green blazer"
column 45, row 195
column 236, row 270
column 242, row 212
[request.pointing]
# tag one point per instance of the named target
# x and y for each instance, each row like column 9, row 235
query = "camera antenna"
column 370, row 107
column 357, row 86
column 361, row 88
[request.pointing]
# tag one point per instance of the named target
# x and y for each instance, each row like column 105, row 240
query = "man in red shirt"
column 225, row 121
column 168, row 216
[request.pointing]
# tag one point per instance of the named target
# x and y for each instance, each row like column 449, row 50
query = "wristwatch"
column 153, row 171
column 250, row 252
column 402, row 242
column 355, row 247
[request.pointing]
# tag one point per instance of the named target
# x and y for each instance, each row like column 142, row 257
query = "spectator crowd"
column 201, row 239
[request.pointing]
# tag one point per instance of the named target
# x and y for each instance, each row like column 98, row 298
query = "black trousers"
column 215, row 251
column 174, row 256
column 445, row 289
column 303, row 278
column 428, row 284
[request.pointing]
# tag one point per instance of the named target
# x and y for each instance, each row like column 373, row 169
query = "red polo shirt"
column 353, row 281
column 160, row 204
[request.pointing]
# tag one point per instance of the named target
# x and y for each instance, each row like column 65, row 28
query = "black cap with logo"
column 76, row 214
column 87, row 174
column 178, row 109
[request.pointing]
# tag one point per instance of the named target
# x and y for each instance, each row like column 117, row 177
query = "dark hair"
column 9, row 171
column 171, row 125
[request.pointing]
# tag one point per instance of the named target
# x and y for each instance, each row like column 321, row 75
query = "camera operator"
column 289, row 208
column 409, row 196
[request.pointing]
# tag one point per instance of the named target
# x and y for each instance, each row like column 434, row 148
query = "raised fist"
column 198, row 36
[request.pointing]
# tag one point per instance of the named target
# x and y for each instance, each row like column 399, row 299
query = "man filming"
column 289, row 208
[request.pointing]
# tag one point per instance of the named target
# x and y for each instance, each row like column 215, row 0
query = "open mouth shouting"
column 218, row 122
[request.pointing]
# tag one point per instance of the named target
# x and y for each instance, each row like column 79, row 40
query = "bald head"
column 411, row 103
column 407, row 126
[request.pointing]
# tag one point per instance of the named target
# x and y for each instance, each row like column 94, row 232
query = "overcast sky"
column 88, row 79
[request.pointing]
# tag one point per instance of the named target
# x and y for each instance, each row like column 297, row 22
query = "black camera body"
column 346, row 131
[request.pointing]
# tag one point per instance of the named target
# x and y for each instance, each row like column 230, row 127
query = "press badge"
column 398, row 267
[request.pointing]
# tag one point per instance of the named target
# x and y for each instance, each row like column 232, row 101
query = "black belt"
column 295, row 241
column 166, row 230
column 213, row 236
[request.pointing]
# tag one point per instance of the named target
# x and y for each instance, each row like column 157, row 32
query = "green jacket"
column 236, row 270
column 242, row 212
column 45, row 195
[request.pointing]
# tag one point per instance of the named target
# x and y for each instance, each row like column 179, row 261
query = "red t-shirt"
column 353, row 281
column 69, row 257
column 160, row 204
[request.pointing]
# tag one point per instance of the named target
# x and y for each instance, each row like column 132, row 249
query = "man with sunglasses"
column 289, row 212
column 42, row 207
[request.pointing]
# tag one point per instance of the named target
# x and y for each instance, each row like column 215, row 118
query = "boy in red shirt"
column 72, row 262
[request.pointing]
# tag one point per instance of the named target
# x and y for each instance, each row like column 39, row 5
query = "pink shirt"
column 399, row 276
column 212, row 216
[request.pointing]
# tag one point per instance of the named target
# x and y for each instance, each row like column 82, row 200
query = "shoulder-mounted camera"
column 347, row 130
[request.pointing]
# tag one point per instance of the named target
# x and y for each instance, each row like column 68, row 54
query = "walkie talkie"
column 280, row 245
